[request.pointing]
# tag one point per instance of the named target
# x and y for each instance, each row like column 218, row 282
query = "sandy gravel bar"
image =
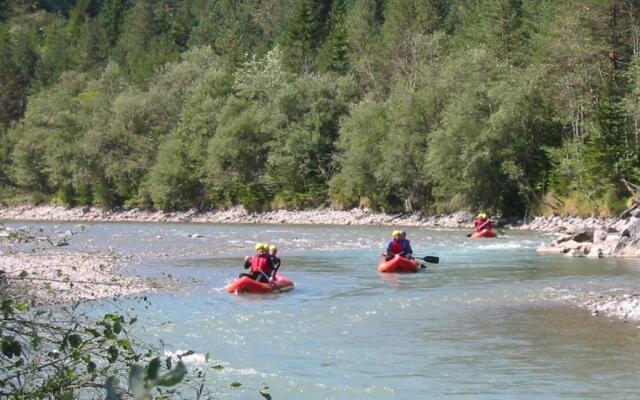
column 55, row 277
column 619, row 305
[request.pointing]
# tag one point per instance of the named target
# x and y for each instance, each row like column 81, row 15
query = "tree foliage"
column 433, row 105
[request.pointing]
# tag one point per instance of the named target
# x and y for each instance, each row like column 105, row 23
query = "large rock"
column 574, row 253
column 631, row 228
column 595, row 252
column 549, row 249
column 580, row 237
column 584, row 236
column 599, row 236
column 628, row 247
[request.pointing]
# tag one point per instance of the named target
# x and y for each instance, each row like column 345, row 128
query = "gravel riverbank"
column 34, row 268
column 54, row 277
column 237, row 215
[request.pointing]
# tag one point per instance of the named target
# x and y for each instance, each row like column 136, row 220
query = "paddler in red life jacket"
column 482, row 223
column 273, row 253
column 398, row 245
column 261, row 264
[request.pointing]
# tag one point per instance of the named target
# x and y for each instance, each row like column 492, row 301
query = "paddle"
column 479, row 228
column 429, row 259
column 271, row 282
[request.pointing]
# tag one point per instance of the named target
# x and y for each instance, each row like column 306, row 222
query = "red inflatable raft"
column 247, row 285
column 485, row 233
column 399, row 264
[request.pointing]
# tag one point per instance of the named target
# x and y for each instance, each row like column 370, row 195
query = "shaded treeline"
column 438, row 105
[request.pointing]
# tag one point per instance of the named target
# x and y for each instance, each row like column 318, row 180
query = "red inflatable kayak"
column 399, row 264
column 247, row 285
column 485, row 233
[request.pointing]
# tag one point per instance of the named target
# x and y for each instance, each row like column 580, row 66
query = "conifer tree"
column 304, row 33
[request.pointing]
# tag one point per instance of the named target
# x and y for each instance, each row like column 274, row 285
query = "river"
column 492, row 320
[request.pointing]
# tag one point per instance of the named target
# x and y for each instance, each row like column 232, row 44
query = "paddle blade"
column 432, row 259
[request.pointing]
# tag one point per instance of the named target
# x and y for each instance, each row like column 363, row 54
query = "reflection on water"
column 491, row 321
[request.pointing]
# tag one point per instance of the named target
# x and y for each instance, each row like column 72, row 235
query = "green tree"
column 145, row 44
column 363, row 26
column 270, row 15
column 237, row 154
column 55, row 54
column 460, row 159
column 305, row 131
column 177, row 180
column 405, row 27
column 44, row 155
column 334, row 54
column 227, row 26
column 495, row 24
column 110, row 20
column 126, row 139
column 17, row 68
column 359, row 149
column 304, row 33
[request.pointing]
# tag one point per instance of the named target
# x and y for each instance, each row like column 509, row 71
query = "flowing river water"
column 493, row 320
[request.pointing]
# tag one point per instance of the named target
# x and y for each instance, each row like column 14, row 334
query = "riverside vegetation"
column 512, row 107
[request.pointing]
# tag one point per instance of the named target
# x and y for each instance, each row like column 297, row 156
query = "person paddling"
column 398, row 245
column 273, row 253
column 482, row 223
column 408, row 243
column 261, row 264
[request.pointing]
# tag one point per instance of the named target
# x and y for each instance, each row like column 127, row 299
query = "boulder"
column 572, row 245
column 562, row 238
column 595, row 252
column 629, row 227
column 628, row 248
column 599, row 236
column 574, row 253
column 585, row 235
column 546, row 249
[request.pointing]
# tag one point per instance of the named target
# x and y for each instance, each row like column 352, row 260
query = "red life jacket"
column 260, row 263
column 396, row 246
column 484, row 223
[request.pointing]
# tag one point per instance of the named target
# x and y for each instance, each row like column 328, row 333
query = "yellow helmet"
column 259, row 246
column 273, row 247
column 397, row 233
column 482, row 215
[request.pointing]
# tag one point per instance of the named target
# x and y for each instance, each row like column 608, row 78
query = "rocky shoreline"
column 237, row 215
column 34, row 269
column 590, row 237
column 576, row 237
column 596, row 238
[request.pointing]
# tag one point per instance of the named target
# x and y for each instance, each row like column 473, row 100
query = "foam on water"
column 501, row 246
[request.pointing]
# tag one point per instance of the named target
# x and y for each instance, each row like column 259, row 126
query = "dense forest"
column 510, row 106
